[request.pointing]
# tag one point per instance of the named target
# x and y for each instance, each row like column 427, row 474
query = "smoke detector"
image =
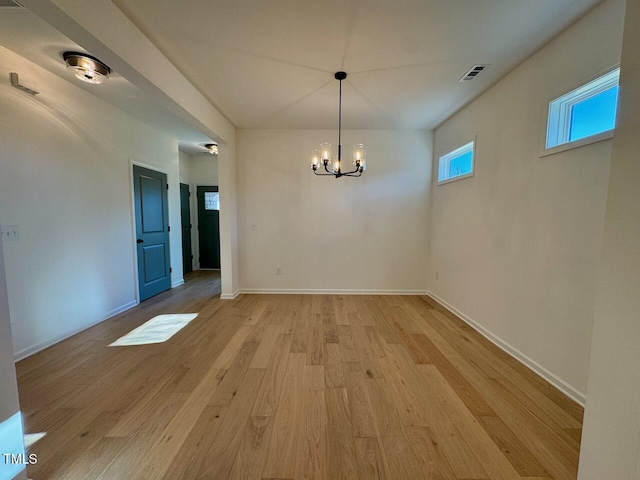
column 86, row 68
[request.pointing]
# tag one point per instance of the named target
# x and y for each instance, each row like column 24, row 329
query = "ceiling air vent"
column 9, row 4
column 473, row 73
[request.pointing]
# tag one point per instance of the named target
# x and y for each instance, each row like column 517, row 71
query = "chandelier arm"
column 351, row 174
column 322, row 174
column 353, row 171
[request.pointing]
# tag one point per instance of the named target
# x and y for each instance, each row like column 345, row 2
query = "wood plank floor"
column 293, row 387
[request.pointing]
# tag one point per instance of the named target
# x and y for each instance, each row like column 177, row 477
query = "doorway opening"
column 209, row 227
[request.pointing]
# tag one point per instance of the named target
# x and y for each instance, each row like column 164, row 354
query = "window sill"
column 455, row 179
column 577, row 143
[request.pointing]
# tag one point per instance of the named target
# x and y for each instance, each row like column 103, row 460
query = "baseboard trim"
column 527, row 361
column 178, row 283
column 268, row 291
column 229, row 296
column 27, row 352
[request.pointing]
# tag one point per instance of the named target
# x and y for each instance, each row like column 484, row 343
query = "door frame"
column 132, row 202
column 191, row 222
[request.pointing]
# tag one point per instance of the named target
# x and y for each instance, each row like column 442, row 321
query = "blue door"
column 152, row 231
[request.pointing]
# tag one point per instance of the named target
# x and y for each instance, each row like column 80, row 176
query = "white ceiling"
column 270, row 64
column 32, row 38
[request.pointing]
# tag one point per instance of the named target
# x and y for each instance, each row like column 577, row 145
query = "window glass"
column 456, row 164
column 211, row 201
column 461, row 165
column 594, row 115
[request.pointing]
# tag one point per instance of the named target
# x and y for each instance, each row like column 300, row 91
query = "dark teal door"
column 185, row 214
column 152, row 231
column 209, row 227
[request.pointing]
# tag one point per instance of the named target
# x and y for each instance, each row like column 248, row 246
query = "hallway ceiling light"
column 87, row 68
column 323, row 157
column 212, row 148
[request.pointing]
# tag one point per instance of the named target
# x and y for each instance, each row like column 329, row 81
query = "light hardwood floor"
column 294, row 387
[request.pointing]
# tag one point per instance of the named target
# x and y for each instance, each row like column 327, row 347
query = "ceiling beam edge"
column 104, row 31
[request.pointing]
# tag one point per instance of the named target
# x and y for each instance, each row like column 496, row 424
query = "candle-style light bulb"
column 315, row 159
column 336, row 165
column 358, row 154
column 325, row 151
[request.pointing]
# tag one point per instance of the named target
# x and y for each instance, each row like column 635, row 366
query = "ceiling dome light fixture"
column 323, row 157
column 87, row 68
column 212, row 148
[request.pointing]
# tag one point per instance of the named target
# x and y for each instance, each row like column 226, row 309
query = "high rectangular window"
column 457, row 164
column 588, row 112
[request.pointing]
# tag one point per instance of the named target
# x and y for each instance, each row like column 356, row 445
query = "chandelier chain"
column 340, row 127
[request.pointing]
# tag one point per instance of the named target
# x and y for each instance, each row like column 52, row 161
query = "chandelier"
column 322, row 157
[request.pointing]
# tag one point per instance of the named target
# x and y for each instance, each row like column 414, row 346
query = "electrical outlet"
column 278, row 270
column 437, row 275
column 10, row 233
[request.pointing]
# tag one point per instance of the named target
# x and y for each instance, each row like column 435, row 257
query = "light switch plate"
column 10, row 233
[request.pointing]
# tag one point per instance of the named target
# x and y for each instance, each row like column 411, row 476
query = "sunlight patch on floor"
column 31, row 438
column 157, row 330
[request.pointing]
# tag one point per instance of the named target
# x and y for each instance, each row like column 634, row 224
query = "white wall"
column 611, row 438
column 516, row 246
column 106, row 32
column 11, row 440
column 367, row 233
column 184, row 167
column 197, row 170
column 9, row 390
column 204, row 170
column 66, row 181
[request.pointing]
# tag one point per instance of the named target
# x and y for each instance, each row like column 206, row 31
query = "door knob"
column 139, row 240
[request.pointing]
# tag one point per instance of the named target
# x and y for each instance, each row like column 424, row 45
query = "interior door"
column 185, row 214
column 152, row 231
column 209, row 227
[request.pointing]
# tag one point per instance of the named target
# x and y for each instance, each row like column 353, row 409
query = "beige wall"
column 66, row 181
column 516, row 247
column 611, row 438
column 367, row 233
